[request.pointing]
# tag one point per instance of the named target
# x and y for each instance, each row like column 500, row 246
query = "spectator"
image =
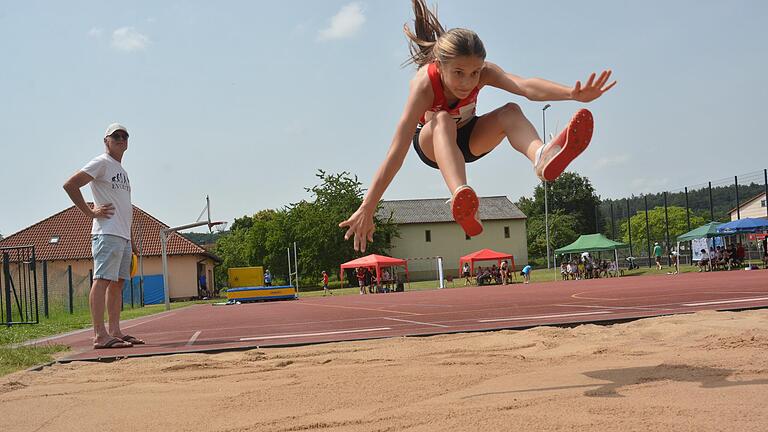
column 563, row 271
column 112, row 216
column 740, row 254
column 466, row 274
column 674, row 261
column 704, row 261
column 267, row 278
column 361, row 279
column 325, row 284
column 526, row 273
column 504, row 272
column 203, row 291
column 657, row 254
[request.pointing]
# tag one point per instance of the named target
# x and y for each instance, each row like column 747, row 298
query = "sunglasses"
column 119, row 136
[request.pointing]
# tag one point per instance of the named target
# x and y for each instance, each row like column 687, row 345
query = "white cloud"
column 95, row 32
column 346, row 23
column 612, row 160
column 128, row 39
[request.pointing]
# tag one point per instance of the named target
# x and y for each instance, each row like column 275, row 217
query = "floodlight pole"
column 163, row 246
column 546, row 203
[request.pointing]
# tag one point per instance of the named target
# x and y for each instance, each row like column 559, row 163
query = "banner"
column 698, row 244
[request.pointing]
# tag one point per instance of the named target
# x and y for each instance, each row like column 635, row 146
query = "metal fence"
column 18, row 286
column 64, row 288
column 714, row 200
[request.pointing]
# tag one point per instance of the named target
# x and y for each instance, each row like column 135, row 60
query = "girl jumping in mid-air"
column 441, row 110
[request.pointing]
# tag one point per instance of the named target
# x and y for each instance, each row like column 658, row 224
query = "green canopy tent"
column 592, row 243
column 707, row 230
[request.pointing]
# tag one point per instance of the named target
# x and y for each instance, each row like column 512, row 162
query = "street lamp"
column 546, row 204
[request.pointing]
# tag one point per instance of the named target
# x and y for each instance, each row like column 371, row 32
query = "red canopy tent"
column 485, row 255
column 374, row 260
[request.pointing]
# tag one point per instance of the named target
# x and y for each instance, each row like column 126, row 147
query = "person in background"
column 657, row 254
column 466, row 274
column 267, row 278
column 526, row 273
column 325, row 284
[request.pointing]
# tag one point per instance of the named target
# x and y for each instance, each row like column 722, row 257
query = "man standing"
column 657, row 254
column 267, row 278
column 112, row 214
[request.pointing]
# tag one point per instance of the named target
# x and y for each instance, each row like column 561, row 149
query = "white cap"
column 113, row 128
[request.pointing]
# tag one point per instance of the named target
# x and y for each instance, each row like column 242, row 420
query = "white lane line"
column 147, row 320
column 608, row 307
column 545, row 316
column 415, row 322
column 193, row 338
column 726, row 301
column 315, row 334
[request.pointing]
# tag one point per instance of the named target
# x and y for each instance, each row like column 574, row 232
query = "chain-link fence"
column 65, row 287
column 643, row 220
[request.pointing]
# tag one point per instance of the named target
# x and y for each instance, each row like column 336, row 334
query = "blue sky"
column 244, row 101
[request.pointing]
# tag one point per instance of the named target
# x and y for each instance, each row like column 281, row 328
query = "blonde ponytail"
column 431, row 42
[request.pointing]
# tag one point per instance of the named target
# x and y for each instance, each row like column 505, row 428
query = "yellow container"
column 245, row 277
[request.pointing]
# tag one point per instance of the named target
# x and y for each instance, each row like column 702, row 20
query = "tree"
column 316, row 223
column 571, row 194
column 264, row 238
column 678, row 225
column 562, row 231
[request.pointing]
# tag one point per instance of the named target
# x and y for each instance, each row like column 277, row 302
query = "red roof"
column 73, row 230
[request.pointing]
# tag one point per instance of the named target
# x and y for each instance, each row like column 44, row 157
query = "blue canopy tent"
column 746, row 225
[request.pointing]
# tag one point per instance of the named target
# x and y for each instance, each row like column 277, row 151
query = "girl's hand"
column 592, row 89
column 361, row 225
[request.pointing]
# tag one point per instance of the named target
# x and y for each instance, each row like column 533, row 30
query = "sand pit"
column 701, row 372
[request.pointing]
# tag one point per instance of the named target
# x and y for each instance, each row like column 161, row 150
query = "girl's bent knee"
column 511, row 108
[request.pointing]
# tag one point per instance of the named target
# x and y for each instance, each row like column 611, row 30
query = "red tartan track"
column 207, row 328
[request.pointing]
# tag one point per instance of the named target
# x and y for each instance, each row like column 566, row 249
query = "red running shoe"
column 561, row 151
column 465, row 206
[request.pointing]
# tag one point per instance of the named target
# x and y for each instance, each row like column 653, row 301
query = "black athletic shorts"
column 462, row 140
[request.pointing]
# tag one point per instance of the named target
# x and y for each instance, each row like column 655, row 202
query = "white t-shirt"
column 111, row 185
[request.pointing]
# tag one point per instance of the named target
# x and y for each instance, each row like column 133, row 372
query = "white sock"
column 538, row 155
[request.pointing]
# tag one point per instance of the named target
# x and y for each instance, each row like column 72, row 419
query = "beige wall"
column 755, row 209
column 182, row 274
column 449, row 242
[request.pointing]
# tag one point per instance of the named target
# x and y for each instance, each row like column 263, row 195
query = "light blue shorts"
column 111, row 257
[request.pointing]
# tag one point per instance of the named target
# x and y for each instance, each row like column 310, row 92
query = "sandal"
column 113, row 343
column 132, row 340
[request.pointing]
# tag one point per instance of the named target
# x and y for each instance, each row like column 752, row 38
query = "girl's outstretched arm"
column 538, row 89
column 360, row 224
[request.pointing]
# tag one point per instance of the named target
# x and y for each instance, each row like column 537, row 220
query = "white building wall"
column 449, row 241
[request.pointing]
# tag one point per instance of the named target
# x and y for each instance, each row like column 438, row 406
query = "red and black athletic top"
column 461, row 111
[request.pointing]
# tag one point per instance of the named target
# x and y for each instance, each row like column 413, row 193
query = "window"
column 467, row 237
column 428, row 234
column 762, row 203
column 54, row 240
column 506, row 232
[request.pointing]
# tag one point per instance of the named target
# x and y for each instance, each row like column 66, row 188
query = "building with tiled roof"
column 427, row 229
column 64, row 239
